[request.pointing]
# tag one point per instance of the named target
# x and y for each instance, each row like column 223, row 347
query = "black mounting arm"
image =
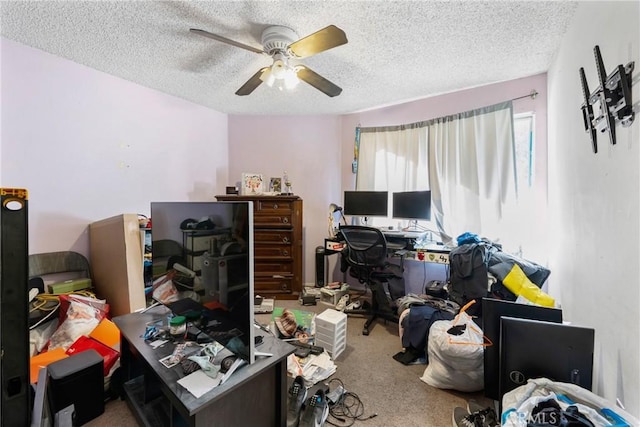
column 613, row 97
column 587, row 112
column 606, row 97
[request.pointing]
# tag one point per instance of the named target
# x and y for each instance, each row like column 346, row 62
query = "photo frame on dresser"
column 252, row 184
column 275, row 185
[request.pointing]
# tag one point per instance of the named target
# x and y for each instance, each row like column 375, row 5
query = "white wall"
column 89, row 146
column 594, row 200
column 308, row 148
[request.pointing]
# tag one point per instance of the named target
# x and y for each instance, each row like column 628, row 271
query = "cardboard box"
column 332, row 296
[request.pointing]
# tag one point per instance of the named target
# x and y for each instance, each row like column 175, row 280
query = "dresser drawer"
column 283, row 252
column 274, row 213
column 265, row 268
column 272, row 207
column 273, row 284
column 273, row 221
column 272, row 237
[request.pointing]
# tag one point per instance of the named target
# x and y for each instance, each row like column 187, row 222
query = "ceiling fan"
column 284, row 46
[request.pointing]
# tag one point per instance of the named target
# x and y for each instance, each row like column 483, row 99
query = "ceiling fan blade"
column 252, row 83
column 225, row 40
column 325, row 39
column 319, row 82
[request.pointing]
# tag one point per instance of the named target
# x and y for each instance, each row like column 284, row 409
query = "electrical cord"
column 42, row 303
column 347, row 409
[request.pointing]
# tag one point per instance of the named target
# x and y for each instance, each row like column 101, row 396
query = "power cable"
column 347, row 409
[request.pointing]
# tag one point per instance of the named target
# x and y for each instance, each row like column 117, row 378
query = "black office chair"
column 366, row 258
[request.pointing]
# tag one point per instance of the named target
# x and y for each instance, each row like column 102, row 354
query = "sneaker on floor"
column 355, row 305
column 488, row 414
column 316, row 411
column 489, row 417
column 297, row 396
column 462, row 418
column 474, row 406
column 342, row 303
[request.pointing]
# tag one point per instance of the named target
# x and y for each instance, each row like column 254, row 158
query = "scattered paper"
column 157, row 343
column 198, row 383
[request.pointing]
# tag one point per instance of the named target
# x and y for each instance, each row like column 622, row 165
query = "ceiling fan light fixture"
column 283, row 44
column 291, row 79
column 281, row 72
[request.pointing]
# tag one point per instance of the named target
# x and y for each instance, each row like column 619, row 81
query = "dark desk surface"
column 132, row 327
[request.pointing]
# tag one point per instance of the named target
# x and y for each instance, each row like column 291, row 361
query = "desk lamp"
column 333, row 208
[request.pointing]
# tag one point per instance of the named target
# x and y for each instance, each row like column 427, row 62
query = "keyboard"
column 396, row 246
column 403, row 234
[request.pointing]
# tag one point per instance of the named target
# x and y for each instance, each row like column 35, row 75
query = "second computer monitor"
column 412, row 205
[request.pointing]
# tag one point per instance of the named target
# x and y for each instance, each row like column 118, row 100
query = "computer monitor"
column 412, row 205
column 534, row 349
column 41, row 415
column 492, row 312
column 366, row 203
column 217, row 245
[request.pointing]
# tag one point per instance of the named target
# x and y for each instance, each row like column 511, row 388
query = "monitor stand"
column 413, row 226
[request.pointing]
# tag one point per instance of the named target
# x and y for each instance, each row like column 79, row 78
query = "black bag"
column 469, row 275
column 436, row 288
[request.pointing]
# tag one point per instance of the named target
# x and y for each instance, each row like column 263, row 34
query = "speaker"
column 78, row 380
column 320, row 268
column 14, row 312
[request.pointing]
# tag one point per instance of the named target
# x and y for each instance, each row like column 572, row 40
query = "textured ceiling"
column 397, row 50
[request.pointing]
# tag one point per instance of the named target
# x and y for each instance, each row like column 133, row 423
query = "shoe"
column 342, row 303
column 297, row 396
column 355, row 305
column 462, row 418
column 475, row 415
column 474, row 406
column 316, row 411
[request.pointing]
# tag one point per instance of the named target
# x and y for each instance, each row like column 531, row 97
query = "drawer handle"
column 275, row 206
column 285, row 252
column 278, row 276
column 285, row 220
column 285, row 239
column 284, row 286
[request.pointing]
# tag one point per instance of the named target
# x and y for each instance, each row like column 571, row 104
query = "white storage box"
column 331, row 331
column 332, row 296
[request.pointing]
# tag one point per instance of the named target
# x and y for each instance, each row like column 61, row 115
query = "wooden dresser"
column 277, row 226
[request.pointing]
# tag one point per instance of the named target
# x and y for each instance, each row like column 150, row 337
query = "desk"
column 254, row 395
column 429, row 253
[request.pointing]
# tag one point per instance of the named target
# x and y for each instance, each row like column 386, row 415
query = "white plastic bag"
column 456, row 354
column 519, row 402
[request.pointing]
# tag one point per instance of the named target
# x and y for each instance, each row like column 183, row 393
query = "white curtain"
column 473, row 170
column 468, row 159
column 393, row 159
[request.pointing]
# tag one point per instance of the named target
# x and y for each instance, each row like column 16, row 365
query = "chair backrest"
column 366, row 246
column 58, row 262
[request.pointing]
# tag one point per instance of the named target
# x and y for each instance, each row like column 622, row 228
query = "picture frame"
column 275, row 185
column 252, row 184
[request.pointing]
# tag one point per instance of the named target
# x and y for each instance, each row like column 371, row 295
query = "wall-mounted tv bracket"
column 613, row 97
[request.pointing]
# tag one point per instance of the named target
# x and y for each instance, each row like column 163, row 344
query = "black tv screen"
column 492, row 312
column 209, row 247
column 366, row 203
column 413, row 205
column 534, row 349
